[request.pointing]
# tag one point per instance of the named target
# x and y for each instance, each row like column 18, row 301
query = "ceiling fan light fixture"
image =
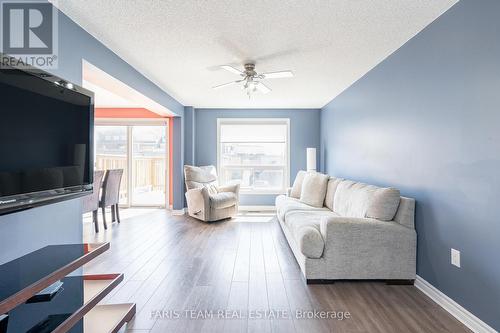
column 251, row 80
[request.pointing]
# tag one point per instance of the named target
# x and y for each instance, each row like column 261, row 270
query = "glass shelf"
column 108, row 318
column 74, row 307
column 65, row 311
column 21, row 278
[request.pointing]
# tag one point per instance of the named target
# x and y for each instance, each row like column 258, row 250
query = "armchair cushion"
column 212, row 189
column 223, row 200
column 196, row 177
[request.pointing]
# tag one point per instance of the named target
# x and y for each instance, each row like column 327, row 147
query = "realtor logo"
column 29, row 32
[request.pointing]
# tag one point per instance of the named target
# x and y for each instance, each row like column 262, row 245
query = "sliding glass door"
column 111, row 151
column 149, row 152
column 141, row 150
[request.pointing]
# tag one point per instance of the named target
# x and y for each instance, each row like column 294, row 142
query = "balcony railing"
column 149, row 173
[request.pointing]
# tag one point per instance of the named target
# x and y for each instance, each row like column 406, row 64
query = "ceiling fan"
column 251, row 81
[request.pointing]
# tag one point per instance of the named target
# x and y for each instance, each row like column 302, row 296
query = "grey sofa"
column 206, row 200
column 359, row 232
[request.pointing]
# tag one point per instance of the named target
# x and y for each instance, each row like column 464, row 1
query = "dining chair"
column 90, row 203
column 111, row 194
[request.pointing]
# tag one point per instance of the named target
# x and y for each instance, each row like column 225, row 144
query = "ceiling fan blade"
column 226, row 84
column 277, row 75
column 262, row 88
column 232, row 69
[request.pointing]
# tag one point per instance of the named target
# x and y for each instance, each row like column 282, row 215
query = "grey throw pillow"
column 331, row 188
column 384, row 204
column 314, row 189
column 297, row 184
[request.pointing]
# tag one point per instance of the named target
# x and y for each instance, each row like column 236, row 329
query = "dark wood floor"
column 173, row 263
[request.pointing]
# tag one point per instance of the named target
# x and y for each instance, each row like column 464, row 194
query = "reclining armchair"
column 206, row 200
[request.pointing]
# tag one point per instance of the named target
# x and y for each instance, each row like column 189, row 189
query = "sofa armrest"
column 366, row 236
column 198, row 202
column 288, row 191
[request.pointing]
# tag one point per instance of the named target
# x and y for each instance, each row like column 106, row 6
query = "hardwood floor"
column 176, row 263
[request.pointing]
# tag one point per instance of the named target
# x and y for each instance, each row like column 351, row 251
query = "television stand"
column 38, row 293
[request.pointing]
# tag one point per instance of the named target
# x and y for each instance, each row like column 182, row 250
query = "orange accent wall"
column 125, row 113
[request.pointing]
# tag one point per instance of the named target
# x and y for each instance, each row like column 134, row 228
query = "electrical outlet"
column 455, row 257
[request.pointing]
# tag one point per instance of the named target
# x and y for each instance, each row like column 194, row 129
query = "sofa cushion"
column 223, row 200
column 354, row 199
column 331, row 188
column 384, row 204
column 301, row 217
column 297, row 184
column 314, row 189
column 286, row 204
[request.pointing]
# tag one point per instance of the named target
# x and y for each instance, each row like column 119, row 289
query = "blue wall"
column 427, row 120
column 29, row 230
column 178, row 157
column 304, row 132
column 76, row 45
column 26, row 231
column 189, row 135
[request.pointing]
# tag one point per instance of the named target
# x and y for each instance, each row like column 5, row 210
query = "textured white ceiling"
column 110, row 92
column 329, row 44
column 104, row 98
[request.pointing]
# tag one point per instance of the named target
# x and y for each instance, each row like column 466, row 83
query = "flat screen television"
column 46, row 139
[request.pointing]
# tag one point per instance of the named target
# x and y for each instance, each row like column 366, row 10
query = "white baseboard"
column 257, row 208
column 455, row 309
column 241, row 208
column 179, row 211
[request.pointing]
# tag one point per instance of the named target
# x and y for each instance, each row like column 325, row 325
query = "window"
column 255, row 153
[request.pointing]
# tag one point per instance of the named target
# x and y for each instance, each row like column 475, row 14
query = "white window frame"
column 258, row 121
